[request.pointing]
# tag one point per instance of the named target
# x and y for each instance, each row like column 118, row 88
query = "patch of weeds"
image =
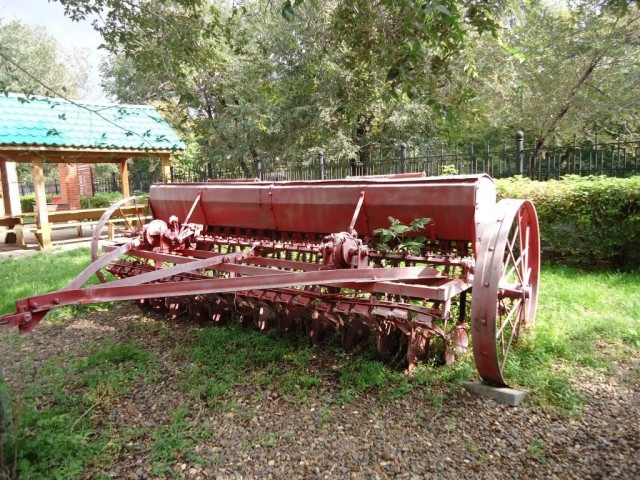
column 150, row 326
column 358, row 375
column 269, row 440
column 421, row 415
column 422, row 376
column 536, row 450
column 631, row 336
column 297, row 385
column 263, row 378
column 102, row 392
column 221, row 358
column 325, row 415
column 168, row 444
column 452, row 376
column 550, row 385
column 54, row 432
column 633, row 375
column 173, row 442
column 51, row 440
column 115, row 355
column 301, row 356
column 397, row 387
column 471, row 446
column 153, row 378
column 108, row 370
column 436, row 400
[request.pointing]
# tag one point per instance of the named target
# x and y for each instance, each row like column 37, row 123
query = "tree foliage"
column 282, row 80
column 31, row 61
column 250, row 82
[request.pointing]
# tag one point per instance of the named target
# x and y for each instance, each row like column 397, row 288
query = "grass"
column 43, row 273
column 56, row 430
column 585, row 321
column 587, row 325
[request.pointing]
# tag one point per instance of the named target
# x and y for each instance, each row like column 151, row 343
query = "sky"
column 72, row 34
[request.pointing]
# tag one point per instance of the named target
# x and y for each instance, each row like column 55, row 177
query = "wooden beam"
column 165, row 162
column 44, row 238
column 124, row 179
column 75, row 155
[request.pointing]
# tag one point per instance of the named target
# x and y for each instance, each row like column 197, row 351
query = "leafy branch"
column 397, row 237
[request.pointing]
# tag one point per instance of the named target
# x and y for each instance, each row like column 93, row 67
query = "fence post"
column 403, row 157
column 321, row 164
column 519, row 152
column 258, row 167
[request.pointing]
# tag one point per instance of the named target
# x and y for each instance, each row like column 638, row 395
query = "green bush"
column 586, row 222
column 100, row 200
column 28, row 202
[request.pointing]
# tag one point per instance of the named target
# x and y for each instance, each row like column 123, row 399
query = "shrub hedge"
column 100, row 200
column 28, row 202
column 584, row 221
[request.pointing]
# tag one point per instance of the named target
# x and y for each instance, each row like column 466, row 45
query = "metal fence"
column 619, row 158
column 138, row 182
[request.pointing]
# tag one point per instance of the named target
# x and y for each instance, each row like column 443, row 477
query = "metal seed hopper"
column 311, row 254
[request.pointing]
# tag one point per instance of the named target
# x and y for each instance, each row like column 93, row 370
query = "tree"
column 247, row 79
column 33, row 62
column 560, row 71
column 281, row 80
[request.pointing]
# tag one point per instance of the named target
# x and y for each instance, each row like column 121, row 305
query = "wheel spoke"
column 507, row 319
column 513, row 334
column 510, row 255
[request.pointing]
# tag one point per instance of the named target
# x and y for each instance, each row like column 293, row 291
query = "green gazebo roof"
column 52, row 122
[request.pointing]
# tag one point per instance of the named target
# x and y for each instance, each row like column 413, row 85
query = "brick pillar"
column 69, row 184
column 85, row 179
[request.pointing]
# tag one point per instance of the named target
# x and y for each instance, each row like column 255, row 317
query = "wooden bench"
column 128, row 224
column 131, row 215
column 13, row 224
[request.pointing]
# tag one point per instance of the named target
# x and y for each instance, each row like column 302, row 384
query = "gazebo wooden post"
column 42, row 217
column 165, row 163
column 124, row 179
column 10, row 191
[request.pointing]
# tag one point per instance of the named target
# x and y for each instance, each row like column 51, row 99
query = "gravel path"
column 425, row 434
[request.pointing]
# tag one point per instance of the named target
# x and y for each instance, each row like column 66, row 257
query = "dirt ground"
column 263, row 436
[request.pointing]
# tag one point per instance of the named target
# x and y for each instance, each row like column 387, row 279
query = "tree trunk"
column 566, row 106
column 360, row 138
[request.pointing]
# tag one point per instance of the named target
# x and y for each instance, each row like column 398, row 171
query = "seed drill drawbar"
column 314, row 254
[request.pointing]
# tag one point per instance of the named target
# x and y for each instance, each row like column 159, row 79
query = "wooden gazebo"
column 37, row 130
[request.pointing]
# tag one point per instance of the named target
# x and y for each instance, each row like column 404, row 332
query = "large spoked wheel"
column 130, row 226
column 505, row 286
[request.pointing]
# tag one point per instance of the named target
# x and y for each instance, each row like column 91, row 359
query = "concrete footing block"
column 507, row 396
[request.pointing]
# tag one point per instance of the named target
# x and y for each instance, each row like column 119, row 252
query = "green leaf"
column 411, row 246
column 392, row 74
column 419, row 223
column 443, row 9
column 288, row 12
